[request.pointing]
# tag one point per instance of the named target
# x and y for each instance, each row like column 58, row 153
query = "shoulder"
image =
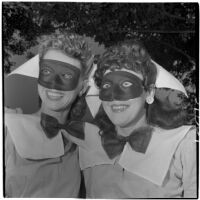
column 9, row 145
column 15, row 119
column 190, row 137
column 13, row 124
column 17, row 125
column 187, row 146
column 29, row 139
column 10, row 116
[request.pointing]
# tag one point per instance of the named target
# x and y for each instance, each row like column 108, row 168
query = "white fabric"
column 57, row 177
column 126, row 70
column 167, row 80
column 114, row 182
column 92, row 98
column 157, row 157
column 94, row 104
column 29, row 68
column 93, row 142
column 90, row 146
column 60, row 56
column 30, row 140
column 152, row 166
column 91, row 73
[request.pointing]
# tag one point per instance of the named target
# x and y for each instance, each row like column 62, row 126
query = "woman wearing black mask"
column 42, row 163
column 140, row 145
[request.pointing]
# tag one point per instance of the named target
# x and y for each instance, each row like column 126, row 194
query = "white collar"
column 29, row 139
column 156, row 159
column 158, row 156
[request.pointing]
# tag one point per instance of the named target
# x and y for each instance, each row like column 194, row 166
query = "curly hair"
column 132, row 55
column 70, row 44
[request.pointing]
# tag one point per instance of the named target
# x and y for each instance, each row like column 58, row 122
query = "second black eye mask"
column 120, row 86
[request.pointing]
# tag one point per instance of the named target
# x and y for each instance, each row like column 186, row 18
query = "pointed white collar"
column 152, row 166
column 29, row 139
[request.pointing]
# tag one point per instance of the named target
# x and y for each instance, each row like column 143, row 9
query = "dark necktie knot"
column 124, row 139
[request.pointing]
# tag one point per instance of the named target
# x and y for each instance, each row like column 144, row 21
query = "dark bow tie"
column 138, row 140
column 51, row 127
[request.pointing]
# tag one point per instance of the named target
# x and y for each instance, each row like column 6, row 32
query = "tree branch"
column 171, row 15
column 164, row 31
column 192, row 60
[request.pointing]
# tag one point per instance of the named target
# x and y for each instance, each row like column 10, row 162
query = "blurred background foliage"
column 169, row 31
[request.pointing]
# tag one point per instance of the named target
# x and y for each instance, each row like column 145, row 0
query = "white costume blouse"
column 36, row 166
column 166, row 170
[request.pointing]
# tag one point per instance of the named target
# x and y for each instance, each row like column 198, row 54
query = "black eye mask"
column 120, row 86
column 58, row 75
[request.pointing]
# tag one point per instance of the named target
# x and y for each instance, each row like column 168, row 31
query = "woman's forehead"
column 58, row 55
column 139, row 75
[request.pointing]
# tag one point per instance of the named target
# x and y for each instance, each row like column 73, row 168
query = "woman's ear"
column 150, row 94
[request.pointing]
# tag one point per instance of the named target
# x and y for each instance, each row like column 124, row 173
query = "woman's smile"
column 119, row 108
column 54, row 95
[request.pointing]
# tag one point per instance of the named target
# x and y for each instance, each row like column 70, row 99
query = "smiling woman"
column 152, row 148
column 41, row 162
column 59, row 80
column 138, row 147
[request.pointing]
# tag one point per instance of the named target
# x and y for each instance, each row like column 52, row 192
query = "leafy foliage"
column 167, row 29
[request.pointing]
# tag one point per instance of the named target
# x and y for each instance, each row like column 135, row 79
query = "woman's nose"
column 116, row 92
column 57, row 80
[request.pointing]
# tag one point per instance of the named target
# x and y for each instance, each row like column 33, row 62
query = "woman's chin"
column 119, row 121
column 56, row 108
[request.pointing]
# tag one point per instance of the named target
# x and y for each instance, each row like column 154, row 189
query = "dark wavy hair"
column 132, row 55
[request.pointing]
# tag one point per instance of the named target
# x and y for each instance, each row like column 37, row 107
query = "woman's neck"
column 61, row 116
column 127, row 130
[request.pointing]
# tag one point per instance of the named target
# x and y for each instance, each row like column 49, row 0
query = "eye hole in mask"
column 120, row 86
column 45, row 71
column 125, row 84
column 67, row 76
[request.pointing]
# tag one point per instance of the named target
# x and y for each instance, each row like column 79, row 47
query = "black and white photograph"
column 100, row 99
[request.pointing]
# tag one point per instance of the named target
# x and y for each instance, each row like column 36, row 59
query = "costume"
column 35, row 165
column 170, row 159
column 166, row 169
column 38, row 164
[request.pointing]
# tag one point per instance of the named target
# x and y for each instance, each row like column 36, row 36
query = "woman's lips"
column 54, row 95
column 119, row 108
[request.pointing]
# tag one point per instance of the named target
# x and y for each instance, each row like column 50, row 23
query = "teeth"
column 54, row 95
column 119, row 108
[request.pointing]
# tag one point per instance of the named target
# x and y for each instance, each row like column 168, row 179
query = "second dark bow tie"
column 51, row 127
column 138, row 140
